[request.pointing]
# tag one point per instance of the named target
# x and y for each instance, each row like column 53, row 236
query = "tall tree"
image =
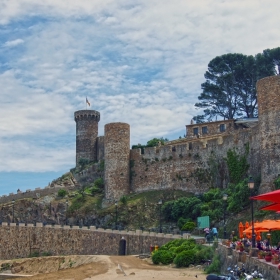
column 230, row 87
column 274, row 56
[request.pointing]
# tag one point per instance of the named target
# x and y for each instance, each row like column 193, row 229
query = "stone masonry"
column 21, row 241
column 185, row 164
column 86, row 134
column 117, row 152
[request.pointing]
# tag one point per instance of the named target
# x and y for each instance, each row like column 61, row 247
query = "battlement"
column 87, row 115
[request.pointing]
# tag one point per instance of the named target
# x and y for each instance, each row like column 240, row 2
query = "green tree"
column 230, row 87
column 273, row 56
column 154, row 142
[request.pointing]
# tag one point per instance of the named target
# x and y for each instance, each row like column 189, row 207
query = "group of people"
column 265, row 245
column 211, row 232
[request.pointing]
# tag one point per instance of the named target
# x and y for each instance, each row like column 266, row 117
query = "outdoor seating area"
column 255, row 237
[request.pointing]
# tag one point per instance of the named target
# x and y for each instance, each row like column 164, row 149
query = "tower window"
column 195, row 131
column 204, row 130
column 222, row 127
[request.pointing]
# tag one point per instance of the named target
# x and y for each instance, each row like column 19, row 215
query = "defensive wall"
column 186, row 164
column 19, row 241
column 36, row 193
column 183, row 163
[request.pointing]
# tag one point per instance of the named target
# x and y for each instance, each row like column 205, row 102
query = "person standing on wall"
column 215, row 232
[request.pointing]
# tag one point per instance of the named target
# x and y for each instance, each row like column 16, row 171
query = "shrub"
column 95, row 190
column 188, row 226
column 215, row 266
column 61, row 192
column 123, row 200
column 181, row 222
column 185, row 258
column 205, row 253
column 162, row 256
column 77, row 203
column 99, row 183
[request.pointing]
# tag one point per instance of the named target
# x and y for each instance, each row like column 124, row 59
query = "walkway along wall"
column 18, row 241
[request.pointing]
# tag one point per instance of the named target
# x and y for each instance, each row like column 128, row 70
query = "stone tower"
column 117, row 152
column 268, row 90
column 86, row 134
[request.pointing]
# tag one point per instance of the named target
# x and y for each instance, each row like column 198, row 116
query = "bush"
column 77, row 203
column 123, row 200
column 162, row 256
column 215, row 266
column 185, row 258
column 181, row 222
column 99, row 183
column 205, row 253
column 61, row 192
column 188, row 226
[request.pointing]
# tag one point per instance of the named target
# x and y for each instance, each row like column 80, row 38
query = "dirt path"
column 110, row 268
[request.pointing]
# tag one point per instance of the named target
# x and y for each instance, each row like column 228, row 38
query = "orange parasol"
column 258, row 237
column 264, row 226
column 241, row 229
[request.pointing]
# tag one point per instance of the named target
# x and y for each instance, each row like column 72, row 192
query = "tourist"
column 206, row 230
column 278, row 247
column 215, row 232
column 259, row 245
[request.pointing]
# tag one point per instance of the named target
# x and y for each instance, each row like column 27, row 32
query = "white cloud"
column 139, row 62
column 13, row 43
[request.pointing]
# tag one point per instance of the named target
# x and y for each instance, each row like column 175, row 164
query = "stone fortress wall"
column 74, row 241
column 52, row 188
column 183, row 163
column 178, row 164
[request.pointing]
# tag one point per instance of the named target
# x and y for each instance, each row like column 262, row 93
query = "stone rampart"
column 37, row 193
column 18, row 241
column 185, row 165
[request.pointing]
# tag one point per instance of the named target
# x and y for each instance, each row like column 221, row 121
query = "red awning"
column 270, row 196
column 271, row 207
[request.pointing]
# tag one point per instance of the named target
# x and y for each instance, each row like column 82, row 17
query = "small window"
column 195, row 131
column 222, row 127
column 204, row 130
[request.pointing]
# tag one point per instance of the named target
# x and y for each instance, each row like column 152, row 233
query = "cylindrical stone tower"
column 268, row 90
column 117, row 152
column 86, row 134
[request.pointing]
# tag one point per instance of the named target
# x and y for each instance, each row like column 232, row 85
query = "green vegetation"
column 237, row 165
column 188, row 226
column 182, row 253
column 62, row 193
column 226, row 74
column 151, row 143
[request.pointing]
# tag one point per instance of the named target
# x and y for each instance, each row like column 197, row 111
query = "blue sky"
column 140, row 62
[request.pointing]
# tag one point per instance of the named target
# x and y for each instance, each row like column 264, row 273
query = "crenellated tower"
column 86, row 134
column 117, row 155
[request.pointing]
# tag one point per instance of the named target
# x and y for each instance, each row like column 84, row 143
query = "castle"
column 192, row 163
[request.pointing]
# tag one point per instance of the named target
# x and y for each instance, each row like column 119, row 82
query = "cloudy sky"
column 140, row 62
